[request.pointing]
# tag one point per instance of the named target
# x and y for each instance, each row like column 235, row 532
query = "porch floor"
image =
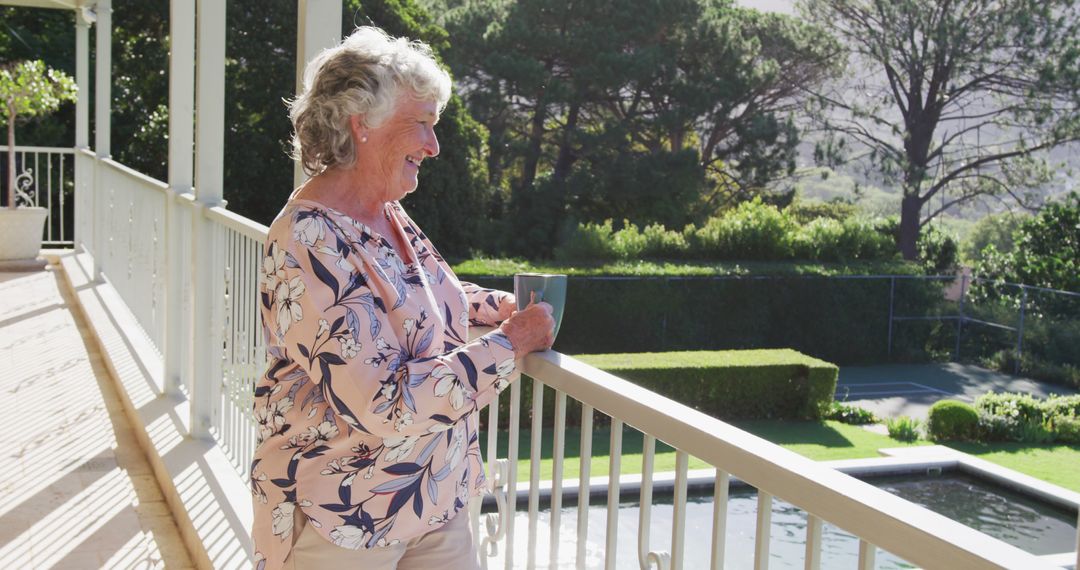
column 76, row 490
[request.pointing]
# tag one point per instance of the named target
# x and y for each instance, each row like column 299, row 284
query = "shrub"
column 588, row 242
column 1056, row 407
column 826, row 239
column 952, row 419
column 1067, row 430
column 807, row 211
column 999, row 428
column 663, row 243
column 903, row 428
column 850, row 414
column 628, row 243
column 937, row 250
column 1020, row 407
column 728, row 384
column 996, row 230
column 1020, row 417
column 754, row 230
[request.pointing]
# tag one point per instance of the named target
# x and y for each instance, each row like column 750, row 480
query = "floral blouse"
column 367, row 412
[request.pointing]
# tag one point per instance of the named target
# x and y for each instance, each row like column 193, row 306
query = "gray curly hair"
column 363, row 75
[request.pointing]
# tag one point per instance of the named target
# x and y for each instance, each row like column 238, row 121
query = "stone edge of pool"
column 922, row 460
column 894, row 461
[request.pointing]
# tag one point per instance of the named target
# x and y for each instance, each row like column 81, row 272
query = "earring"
column 363, row 139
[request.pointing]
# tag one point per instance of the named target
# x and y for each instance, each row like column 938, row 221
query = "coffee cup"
column 546, row 287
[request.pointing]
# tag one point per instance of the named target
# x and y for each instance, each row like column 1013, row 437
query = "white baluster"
column 813, row 542
column 867, row 555
column 583, row 483
column 534, row 466
column 512, row 461
column 678, row 513
column 719, row 522
column 615, row 455
column 764, row 529
column 557, row 452
column 648, row 455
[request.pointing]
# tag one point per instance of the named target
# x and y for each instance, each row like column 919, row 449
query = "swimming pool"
column 1006, row 515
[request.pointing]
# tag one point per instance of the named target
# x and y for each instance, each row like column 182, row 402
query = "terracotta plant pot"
column 20, row 232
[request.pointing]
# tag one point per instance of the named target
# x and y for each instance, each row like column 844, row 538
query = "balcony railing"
column 45, row 177
column 188, row 273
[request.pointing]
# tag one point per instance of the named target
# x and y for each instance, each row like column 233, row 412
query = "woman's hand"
column 531, row 329
column 506, row 307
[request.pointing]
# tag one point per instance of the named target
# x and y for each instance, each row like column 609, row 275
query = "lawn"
column 821, row 441
column 509, row 267
column 1057, row 464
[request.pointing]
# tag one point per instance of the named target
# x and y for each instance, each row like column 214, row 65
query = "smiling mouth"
column 413, row 161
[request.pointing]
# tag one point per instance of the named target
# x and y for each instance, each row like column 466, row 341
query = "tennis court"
column 910, row 389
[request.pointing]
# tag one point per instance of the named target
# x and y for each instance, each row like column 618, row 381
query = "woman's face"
column 393, row 152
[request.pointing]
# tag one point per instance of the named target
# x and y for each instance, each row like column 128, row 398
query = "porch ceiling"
column 58, row 4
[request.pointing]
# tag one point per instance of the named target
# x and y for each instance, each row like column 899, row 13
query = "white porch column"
column 318, row 27
column 103, row 80
column 84, row 172
column 208, row 288
column 82, row 80
column 102, row 126
column 178, row 322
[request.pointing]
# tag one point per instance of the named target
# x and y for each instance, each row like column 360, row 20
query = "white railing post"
column 103, row 79
column 534, row 466
column 209, row 167
column 514, row 430
column 867, row 555
column 720, row 507
column 178, row 325
column 678, row 511
column 82, row 81
column 102, row 122
column 764, row 531
column 557, row 451
column 648, row 457
column 813, row 542
column 611, row 538
column 584, row 472
column 83, row 175
column 318, row 27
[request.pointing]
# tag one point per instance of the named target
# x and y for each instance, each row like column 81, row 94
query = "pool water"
column 1016, row 519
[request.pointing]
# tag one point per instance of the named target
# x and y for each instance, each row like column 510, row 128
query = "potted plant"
column 27, row 89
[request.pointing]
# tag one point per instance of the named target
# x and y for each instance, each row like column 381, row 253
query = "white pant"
column 450, row 547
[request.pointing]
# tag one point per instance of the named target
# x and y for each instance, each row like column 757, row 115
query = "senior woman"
column 367, row 414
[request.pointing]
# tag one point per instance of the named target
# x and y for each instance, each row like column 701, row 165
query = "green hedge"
column 731, row 384
column 952, row 419
column 841, row 320
column 1020, row 417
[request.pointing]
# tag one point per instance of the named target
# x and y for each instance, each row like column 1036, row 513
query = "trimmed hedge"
column 840, row 320
column 952, row 420
column 730, row 384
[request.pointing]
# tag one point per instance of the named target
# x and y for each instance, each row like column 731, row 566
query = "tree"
column 29, row 89
column 1046, row 252
column 958, row 96
column 48, row 35
column 613, row 107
